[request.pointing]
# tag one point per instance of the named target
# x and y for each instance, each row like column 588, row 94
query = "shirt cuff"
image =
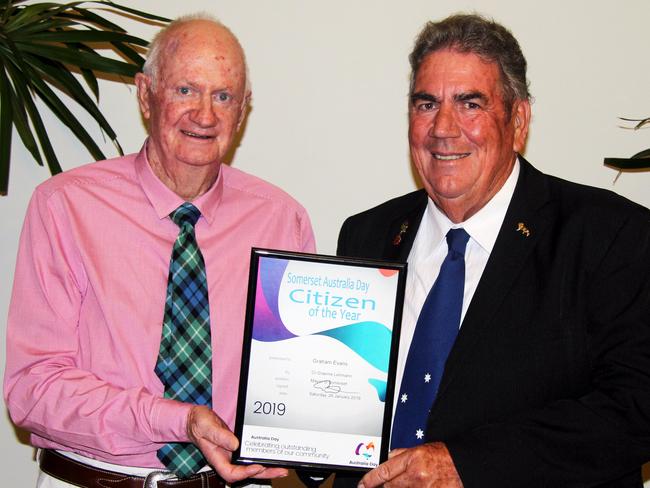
column 169, row 421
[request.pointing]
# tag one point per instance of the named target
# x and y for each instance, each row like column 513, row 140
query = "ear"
column 143, row 83
column 244, row 107
column 521, row 120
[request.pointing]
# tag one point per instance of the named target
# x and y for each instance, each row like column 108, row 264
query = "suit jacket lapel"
column 530, row 208
column 403, row 229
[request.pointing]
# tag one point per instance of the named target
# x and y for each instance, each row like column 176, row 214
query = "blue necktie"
column 435, row 333
column 185, row 359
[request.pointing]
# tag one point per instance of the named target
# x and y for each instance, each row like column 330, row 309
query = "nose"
column 204, row 114
column 444, row 123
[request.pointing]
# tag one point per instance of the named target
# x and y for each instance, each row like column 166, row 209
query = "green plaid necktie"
column 185, row 359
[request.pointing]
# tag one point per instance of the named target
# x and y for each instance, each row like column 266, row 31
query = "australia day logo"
column 365, row 450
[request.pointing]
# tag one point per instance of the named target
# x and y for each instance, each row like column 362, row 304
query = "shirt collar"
column 483, row 227
column 165, row 201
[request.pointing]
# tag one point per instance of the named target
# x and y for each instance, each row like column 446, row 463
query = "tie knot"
column 457, row 240
column 185, row 214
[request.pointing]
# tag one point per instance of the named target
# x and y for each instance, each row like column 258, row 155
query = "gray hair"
column 473, row 33
column 156, row 47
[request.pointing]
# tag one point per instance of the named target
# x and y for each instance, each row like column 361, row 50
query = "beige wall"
column 328, row 121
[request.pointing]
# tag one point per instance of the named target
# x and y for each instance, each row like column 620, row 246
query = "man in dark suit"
column 547, row 382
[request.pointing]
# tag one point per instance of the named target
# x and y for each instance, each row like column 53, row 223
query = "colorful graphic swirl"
column 365, row 450
column 370, row 340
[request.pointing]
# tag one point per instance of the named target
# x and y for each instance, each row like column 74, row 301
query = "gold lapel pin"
column 521, row 227
column 402, row 230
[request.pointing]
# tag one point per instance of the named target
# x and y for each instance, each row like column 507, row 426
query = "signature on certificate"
column 326, row 386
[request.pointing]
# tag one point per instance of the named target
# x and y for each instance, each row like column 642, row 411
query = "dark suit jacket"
column 548, row 383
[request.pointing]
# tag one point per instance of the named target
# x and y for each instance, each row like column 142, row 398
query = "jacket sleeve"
column 342, row 245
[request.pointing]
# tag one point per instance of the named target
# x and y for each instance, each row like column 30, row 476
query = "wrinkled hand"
column 428, row 465
column 215, row 440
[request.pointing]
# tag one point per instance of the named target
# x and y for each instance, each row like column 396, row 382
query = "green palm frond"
column 640, row 161
column 41, row 46
column 639, row 122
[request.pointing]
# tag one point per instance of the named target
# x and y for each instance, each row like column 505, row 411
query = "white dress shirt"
column 430, row 249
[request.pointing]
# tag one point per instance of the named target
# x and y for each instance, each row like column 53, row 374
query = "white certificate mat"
column 318, row 360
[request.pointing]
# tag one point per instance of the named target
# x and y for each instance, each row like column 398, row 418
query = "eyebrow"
column 461, row 97
column 423, row 96
column 475, row 95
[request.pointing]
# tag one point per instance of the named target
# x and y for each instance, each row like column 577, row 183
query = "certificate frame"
column 289, row 384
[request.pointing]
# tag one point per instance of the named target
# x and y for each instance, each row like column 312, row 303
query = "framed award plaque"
column 318, row 361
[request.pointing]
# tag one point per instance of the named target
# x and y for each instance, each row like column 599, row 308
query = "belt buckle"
column 152, row 479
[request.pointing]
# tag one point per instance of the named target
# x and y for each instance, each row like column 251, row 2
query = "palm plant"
column 42, row 47
column 640, row 161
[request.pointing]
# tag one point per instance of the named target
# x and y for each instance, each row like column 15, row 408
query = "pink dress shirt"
column 86, row 311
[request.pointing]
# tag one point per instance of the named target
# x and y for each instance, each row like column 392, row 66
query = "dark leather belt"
column 79, row 474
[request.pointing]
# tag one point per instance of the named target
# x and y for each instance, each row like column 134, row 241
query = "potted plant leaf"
column 640, row 161
column 51, row 45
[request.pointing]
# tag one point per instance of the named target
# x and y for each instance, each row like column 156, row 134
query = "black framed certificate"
column 318, row 361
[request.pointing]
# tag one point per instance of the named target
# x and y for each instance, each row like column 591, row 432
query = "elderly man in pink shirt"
column 91, row 282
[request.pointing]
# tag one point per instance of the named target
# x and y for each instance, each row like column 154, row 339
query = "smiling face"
column 462, row 141
column 197, row 102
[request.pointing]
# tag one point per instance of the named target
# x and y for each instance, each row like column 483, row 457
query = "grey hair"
column 473, row 33
column 156, row 47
